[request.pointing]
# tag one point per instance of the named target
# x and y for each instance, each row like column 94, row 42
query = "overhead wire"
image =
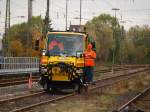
column 130, row 10
column 75, row 12
column 57, row 12
column 95, row 3
column 112, row 6
column 22, row 6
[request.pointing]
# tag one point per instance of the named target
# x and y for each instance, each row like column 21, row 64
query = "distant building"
column 77, row 28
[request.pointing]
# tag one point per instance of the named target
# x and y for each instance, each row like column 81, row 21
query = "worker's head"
column 89, row 47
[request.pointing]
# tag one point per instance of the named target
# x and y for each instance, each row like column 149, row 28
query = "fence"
column 16, row 65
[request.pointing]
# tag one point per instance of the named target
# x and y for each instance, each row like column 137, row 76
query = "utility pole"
column 46, row 26
column 66, row 14
column 29, row 10
column 80, row 11
column 114, row 36
column 7, row 29
column 47, row 16
column 115, row 9
column 28, row 34
column 7, row 17
column 47, row 12
column 46, row 21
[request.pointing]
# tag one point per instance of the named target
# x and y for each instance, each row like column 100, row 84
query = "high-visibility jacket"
column 55, row 43
column 90, row 58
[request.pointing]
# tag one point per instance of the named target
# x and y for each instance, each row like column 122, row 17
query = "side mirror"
column 37, row 45
column 79, row 54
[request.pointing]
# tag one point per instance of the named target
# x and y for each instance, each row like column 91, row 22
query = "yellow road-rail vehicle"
column 62, row 61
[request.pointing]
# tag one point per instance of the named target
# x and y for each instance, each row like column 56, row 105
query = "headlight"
column 44, row 52
column 79, row 54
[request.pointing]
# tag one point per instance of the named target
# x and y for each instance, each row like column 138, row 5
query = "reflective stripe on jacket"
column 90, row 58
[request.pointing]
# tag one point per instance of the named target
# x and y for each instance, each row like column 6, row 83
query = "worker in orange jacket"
column 56, row 43
column 90, row 56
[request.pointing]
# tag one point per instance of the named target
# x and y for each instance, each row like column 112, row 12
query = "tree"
column 102, row 29
column 20, row 33
column 16, row 48
column 140, row 37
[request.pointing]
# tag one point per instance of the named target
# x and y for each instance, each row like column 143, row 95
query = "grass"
column 99, row 102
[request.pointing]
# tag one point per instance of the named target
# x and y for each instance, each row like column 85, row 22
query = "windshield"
column 65, row 44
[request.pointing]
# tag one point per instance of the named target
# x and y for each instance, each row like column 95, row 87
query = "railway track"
column 117, row 68
column 15, row 90
column 23, row 80
column 17, row 81
column 21, row 97
column 126, row 106
column 37, row 100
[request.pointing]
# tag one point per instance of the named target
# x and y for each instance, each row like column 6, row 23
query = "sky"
column 133, row 12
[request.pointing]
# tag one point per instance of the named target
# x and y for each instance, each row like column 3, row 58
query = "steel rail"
column 20, row 97
column 23, row 80
column 44, row 102
column 15, row 82
column 109, row 70
column 72, row 94
column 96, row 71
column 133, row 99
column 126, row 74
column 16, row 79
